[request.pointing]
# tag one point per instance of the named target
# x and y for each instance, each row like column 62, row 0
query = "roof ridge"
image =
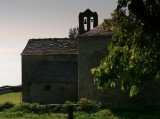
column 50, row 46
column 98, row 31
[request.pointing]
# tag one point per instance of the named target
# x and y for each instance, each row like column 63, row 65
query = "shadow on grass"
column 134, row 111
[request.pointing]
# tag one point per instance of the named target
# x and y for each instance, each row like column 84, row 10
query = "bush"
column 105, row 112
column 29, row 108
column 87, row 105
column 13, row 114
column 24, row 107
column 6, row 105
column 56, row 109
column 38, row 109
column 130, row 108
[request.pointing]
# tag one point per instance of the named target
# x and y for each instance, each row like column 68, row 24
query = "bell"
column 85, row 21
column 92, row 20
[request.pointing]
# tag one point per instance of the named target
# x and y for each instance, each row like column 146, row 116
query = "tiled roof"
column 50, row 46
column 98, row 31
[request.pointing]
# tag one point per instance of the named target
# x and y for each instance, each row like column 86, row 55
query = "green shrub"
column 132, row 108
column 24, row 107
column 37, row 109
column 87, row 105
column 34, row 108
column 57, row 108
column 105, row 112
column 68, row 104
column 6, row 105
column 9, row 114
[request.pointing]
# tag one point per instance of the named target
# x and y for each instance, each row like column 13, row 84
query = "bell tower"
column 86, row 19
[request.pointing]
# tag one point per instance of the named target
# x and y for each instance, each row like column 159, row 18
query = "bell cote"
column 87, row 21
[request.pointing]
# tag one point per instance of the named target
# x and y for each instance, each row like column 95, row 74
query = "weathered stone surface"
column 58, row 65
column 59, row 93
column 98, row 31
column 33, row 81
column 91, row 50
column 50, row 46
column 57, row 71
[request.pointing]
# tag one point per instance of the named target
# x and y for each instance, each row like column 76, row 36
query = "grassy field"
column 34, row 111
column 11, row 97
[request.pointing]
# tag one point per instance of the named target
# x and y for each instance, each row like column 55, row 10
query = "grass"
column 8, row 114
column 11, row 97
column 34, row 111
column 20, row 115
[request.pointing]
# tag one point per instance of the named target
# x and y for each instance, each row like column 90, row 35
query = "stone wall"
column 91, row 50
column 39, row 70
column 58, row 93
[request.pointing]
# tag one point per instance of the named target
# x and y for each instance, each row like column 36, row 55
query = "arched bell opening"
column 92, row 23
column 85, row 23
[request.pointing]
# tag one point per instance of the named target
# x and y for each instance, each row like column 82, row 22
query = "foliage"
column 135, row 111
column 105, row 112
column 6, row 105
column 97, row 115
column 135, row 108
column 38, row 109
column 73, row 32
column 32, row 111
column 88, row 106
column 13, row 114
column 134, row 51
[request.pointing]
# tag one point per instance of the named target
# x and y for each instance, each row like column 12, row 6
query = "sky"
column 22, row 20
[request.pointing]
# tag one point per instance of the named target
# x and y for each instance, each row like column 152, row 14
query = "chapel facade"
column 56, row 70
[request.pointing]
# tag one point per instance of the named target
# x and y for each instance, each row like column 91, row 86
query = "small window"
column 47, row 87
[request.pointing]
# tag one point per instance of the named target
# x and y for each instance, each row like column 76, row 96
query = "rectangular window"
column 47, row 87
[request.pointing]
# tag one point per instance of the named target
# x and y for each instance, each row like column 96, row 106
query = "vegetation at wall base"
column 84, row 109
column 125, row 111
column 6, row 105
column 88, row 106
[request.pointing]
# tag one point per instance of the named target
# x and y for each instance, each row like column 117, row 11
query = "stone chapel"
column 55, row 70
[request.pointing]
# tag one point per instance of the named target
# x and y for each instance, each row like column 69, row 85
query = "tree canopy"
column 134, row 52
column 73, row 32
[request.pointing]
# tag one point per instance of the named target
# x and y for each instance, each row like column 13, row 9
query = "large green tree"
column 134, row 52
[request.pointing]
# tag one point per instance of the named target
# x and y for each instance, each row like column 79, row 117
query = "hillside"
column 14, row 97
